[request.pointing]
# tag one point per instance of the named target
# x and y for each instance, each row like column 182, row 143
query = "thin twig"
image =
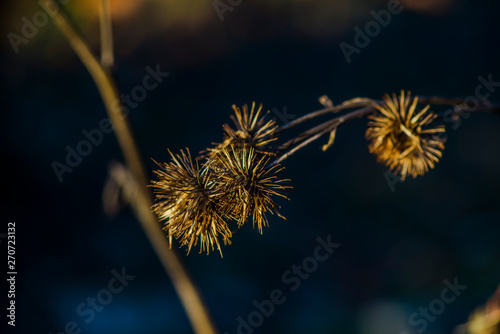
column 189, row 295
column 302, row 144
column 461, row 105
column 107, row 57
column 349, row 104
column 293, row 145
column 307, row 137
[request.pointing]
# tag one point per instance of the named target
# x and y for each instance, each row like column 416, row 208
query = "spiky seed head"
column 250, row 184
column 402, row 137
column 251, row 127
column 188, row 203
column 252, row 130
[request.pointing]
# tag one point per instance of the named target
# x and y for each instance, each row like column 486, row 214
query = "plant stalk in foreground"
column 190, row 297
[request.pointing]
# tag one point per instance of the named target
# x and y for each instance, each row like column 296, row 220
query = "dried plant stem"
column 107, row 57
column 293, row 145
column 349, row 104
column 189, row 295
column 108, row 90
column 307, row 137
column 483, row 105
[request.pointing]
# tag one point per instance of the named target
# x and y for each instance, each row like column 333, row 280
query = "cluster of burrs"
column 237, row 180
column 231, row 182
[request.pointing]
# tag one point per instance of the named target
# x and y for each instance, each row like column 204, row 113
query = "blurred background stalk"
column 189, row 295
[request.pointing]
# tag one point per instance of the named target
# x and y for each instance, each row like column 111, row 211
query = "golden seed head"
column 252, row 129
column 402, row 138
column 188, row 202
column 234, row 183
column 249, row 183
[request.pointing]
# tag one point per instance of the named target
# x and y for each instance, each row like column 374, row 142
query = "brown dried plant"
column 233, row 184
column 249, row 184
column 190, row 204
column 239, row 178
column 402, row 138
column 251, row 129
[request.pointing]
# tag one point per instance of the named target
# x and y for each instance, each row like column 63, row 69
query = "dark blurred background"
column 397, row 247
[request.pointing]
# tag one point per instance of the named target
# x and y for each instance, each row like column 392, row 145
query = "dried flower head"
column 249, row 183
column 401, row 137
column 235, row 182
column 252, row 130
column 189, row 203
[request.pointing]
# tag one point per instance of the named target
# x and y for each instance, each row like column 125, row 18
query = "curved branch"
column 189, row 295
